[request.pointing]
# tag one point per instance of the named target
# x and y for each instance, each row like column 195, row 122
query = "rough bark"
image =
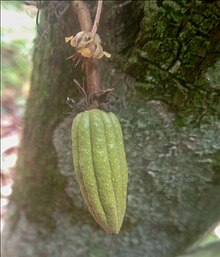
column 165, row 71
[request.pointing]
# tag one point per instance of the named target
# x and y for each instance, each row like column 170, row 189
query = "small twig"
column 101, row 93
column 81, row 89
column 97, row 18
column 78, row 60
column 64, row 10
column 123, row 4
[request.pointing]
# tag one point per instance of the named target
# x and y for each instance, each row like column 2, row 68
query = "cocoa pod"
column 100, row 166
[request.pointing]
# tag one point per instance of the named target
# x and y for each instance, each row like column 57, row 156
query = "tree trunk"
column 165, row 72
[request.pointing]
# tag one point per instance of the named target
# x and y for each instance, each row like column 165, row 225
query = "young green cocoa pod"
column 100, row 166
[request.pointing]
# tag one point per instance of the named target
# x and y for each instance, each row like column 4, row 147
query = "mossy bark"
column 165, row 71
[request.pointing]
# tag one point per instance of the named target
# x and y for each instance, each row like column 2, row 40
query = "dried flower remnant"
column 87, row 45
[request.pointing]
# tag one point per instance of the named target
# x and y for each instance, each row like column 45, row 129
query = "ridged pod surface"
column 100, row 166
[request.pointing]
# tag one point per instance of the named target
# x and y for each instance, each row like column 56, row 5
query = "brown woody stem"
column 92, row 72
column 83, row 15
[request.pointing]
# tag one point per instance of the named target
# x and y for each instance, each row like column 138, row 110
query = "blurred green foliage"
column 16, row 67
column 17, row 29
column 16, row 5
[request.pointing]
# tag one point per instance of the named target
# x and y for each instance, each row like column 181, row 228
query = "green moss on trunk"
column 173, row 56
